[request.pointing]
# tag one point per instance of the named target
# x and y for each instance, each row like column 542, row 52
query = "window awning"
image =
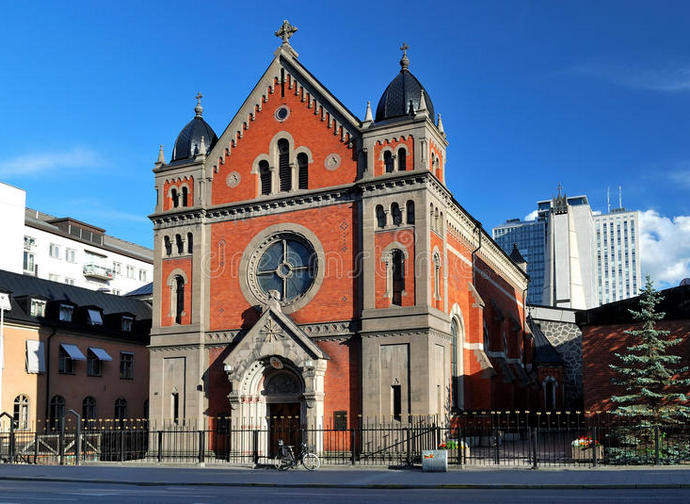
column 73, row 351
column 35, row 358
column 101, row 354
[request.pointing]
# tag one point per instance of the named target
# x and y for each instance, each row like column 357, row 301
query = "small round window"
column 282, row 113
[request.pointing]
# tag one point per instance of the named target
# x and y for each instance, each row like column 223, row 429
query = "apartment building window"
column 53, row 277
column 38, row 308
column 88, row 408
column 127, row 323
column 29, row 262
column 69, row 281
column 70, row 255
column 20, row 415
column 56, row 411
column 54, row 251
column 65, row 364
column 126, row 366
column 117, row 268
column 65, row 314
column 130, row 272
column 95, row 317
column 117, row 292
column 120, row 409
column 94, row 367
column 142, row 275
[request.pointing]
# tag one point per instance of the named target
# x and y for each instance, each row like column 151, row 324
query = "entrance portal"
column 284, row 424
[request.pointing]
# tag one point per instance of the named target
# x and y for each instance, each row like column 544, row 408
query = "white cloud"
column 666, row 79
column 532, row 215
column 47, row 162
column 665, row 247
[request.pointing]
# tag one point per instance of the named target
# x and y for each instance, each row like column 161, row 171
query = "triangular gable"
column 273, row 334
column 300, row 82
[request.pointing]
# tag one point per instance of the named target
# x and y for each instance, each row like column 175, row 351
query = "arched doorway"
column 283, row 391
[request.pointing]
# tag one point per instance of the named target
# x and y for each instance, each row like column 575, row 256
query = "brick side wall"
column 406, row 238
column 168, row 267
column 187, row 182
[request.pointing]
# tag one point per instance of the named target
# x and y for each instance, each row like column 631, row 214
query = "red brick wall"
column 435, row 149
column 382, row 239
column 380, row 167
column 601, row 342
column 335, row 300
column 168, row 265
column 306, row 128
column 188, row 182
column 436, row 241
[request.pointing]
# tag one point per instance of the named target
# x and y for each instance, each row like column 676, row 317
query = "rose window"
column 288, row 266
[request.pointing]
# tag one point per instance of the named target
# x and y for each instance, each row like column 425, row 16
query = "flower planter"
column 434, row 460
column 584, row 453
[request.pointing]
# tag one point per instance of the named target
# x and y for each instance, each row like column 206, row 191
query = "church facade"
column 313, row 265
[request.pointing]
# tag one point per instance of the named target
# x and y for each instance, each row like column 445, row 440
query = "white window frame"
column 54, row 251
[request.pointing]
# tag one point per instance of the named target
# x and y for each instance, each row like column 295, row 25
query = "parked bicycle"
column 286, row 457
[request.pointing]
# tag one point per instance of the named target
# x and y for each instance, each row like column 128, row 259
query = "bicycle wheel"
column 281, row 463
column 311, row 461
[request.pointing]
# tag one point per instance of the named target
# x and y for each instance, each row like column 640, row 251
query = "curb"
column 391, row 486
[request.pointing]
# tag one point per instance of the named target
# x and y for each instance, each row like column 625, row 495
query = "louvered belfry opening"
column 265, row 174
column 284, row 170
column 302, row 163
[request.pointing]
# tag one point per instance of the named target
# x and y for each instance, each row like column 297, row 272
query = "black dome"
column 189, row 139
column 395, row 101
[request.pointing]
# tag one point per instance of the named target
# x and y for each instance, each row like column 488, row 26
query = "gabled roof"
column 318, row 92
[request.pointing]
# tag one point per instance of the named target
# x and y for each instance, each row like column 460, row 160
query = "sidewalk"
column 337, row 477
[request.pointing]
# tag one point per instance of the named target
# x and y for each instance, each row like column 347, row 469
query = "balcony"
column 97, row 272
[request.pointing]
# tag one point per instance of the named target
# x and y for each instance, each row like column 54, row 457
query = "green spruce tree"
column 654, row 386
column 651, row 376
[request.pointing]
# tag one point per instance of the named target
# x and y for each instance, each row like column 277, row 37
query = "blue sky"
column 586, row 94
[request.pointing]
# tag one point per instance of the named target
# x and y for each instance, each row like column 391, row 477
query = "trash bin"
column 435, row 461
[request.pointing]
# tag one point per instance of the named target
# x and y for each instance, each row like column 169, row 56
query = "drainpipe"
column 48, row 372
column 477, row 227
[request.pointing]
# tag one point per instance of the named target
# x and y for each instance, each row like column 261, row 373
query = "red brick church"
column 312, row 264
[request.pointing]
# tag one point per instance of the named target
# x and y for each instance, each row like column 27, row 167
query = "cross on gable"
column 286, row 31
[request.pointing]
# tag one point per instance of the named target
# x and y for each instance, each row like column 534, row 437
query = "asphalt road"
column 42, row 492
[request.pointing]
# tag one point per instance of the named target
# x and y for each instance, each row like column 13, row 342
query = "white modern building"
column 569, row 272
column 617, row 255
column 67, row 250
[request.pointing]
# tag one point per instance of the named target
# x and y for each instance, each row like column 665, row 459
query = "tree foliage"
column 652, row 377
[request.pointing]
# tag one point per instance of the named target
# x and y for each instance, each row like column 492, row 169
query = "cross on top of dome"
column 404, row 61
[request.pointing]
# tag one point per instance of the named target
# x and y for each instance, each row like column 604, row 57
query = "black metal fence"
column 518, row 438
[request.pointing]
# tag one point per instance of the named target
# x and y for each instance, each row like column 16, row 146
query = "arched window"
column 120, row 409
column 179, row 298
column 168, row 245
column 454, row 330
column 431, row 217
column 398, row 273
column 396, row 214
column 550, row 388
column 175, row 197
column 437, row 276
column 179, row 244
column 56, row 412
column 303, row 164
column 284, row 169
column 20, row 415
column 265, row 175
column 402, row 159
column 410, row 212
column 441, row 224
column 487, row 344
column 185, row 194
column 88, row 408
column 380, row 216
column 388, row 161
column 190, row 243
column 436, row 221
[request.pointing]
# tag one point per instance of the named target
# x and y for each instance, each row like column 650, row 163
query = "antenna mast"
column 620, row 197
column 608, row 200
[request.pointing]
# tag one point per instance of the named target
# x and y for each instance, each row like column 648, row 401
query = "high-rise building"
column 530, row 238
column 617, row 255
column 576, row 259
column 569, row 253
